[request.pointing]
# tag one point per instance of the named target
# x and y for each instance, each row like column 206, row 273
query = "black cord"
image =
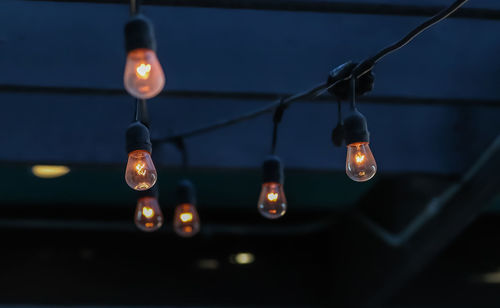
column 353, row 93
column 421, row 28
column 141, row 112
column 362, row 68
column 246, row 116
column 278, row 115
column 134, row 7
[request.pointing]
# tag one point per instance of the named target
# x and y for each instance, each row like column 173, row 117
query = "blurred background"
column 423, row 232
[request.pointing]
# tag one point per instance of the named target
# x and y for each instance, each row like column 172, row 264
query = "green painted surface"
column 216, row 188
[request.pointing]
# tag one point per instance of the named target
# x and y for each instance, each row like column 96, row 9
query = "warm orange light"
column 272, row 201
column 185, row 217
column 272, row 197
column 142, row 71
column 359, row 158
column 140, row 173
column 140, row 168
column 186, row 220
column 143, row 77
column 360, row 163
column 49, row 171
column 148, row 215
column 148, row 212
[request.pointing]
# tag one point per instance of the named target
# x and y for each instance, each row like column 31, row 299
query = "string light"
column 272, row 201
column 143, row 77
column 360, row 164
column 186, row 219
column 140, row 173
column 148, row 214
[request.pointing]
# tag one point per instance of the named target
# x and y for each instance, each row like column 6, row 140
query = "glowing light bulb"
column 272, row 201
column 144, row 77
column 360, row 164
column 148, row 215
column 140, row 173
column 186, row 220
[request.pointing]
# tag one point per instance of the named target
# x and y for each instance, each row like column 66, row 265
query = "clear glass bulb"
column 140, row 173
column 186, row 220
column 148, row 215
column 143, row 77
column 360, row 164
column 272, row 201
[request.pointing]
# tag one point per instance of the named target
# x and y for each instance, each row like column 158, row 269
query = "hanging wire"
column 134, row 7
column 141, row 112
column 353, row 93
column 364, row 67
column 421, row 28
column 278, row 115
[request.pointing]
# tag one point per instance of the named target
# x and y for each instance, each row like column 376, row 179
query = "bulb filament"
column 186, row 217
column 359, row 158
column 272, row 197
column 140, row 169
column 142, row 71
column 148, row 212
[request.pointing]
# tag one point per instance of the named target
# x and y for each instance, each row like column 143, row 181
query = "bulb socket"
column 137, row 138
column 139, row 33
column 355, row 128
column 272, row 170
column 152, row 192
column 185, row 193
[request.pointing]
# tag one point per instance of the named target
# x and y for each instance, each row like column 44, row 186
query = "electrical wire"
column 364, row 67
column 421, row 28
column 134, row 7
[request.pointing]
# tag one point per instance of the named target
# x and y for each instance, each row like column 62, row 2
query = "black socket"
column 355, row 128
column 139, row 33
column 185, row 193
column 137, row 138
column 272, row 170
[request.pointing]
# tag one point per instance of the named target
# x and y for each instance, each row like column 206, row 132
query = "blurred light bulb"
column 148, row 215
column 360, row 164
column 49, row 171
column 186, row 220
column 140, row 173
column 272, row 201
column 242, row 258
column 144, row 77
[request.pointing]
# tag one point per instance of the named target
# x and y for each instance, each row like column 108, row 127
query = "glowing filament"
column 359, row 158
column 142, row 71
column 140, row 169
column 186, row 217
column 148, row 212
column 272, row 197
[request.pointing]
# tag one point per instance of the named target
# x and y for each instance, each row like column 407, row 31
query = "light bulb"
column 144, row 77
column 360, row 164
column 140, row 173
column 272, row 201
column 148, row 215
column 186, row 220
